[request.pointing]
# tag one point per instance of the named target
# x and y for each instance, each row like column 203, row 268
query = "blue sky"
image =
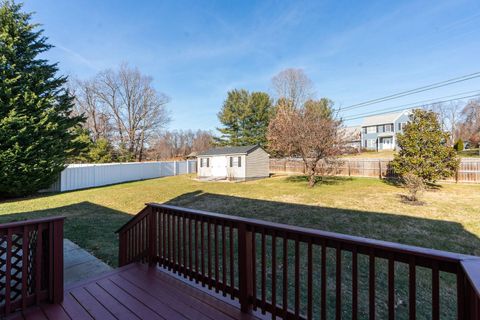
column 197, row 50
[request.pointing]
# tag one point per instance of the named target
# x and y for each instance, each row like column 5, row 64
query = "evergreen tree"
column 245, row 117
column 459, row 145
column 423, row 150
column 37, row 127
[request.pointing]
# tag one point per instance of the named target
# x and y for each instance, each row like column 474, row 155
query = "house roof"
column 382, row 118
column 229, row 150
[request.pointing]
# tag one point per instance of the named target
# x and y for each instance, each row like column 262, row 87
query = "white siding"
column 257, row 164
column 81, row 176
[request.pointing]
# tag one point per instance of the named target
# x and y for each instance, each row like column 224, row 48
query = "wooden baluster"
column 184, row 233
column 196, row 250
column 309, row 280
column 274, row 275
column 190, row 247
column 264, row 270
column 245, row 262
column 285, row 275
column 209, row 254
column 254, row 269
column 324, row 282
column 202, row 252
column 175, row 243
column 165, row 238
column 460, row 293
column 215, row 239
column 179, row 244
column 232, row 267
column 338, row 283
column 391, row 288
column 435, row 292
column 371, row 286
column 224, row 260
column 412, row 290
column 354, row 284
column 297, row 277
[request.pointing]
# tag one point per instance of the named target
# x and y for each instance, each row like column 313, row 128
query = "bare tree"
column 449, row 117
column 293, row 86
column 310, row 132
column 123, row 106
column 470, row 125
column 179, row 144
column 87, row 103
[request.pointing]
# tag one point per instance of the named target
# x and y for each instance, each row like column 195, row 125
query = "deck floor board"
column 135, row 292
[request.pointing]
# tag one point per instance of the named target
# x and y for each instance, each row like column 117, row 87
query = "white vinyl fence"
column 81, row 176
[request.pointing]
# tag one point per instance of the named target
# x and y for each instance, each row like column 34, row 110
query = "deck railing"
column 293, row 272
column 31, row 263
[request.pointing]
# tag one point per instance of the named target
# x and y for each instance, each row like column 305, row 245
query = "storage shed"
column 233, row 163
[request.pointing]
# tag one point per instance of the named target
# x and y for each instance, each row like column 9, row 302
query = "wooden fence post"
column 380, row 169
column 245, row 268
column 349, row 170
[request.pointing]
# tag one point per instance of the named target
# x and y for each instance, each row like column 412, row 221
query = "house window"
column 371, row 143
column 372, row 129
column 365, row 130
column 235, row 161
column 388, row 127
column 401, row 125
column 365, row 143
column 380, row 129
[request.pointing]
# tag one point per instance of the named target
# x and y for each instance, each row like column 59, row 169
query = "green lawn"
column 449, row 220
column 366, row 207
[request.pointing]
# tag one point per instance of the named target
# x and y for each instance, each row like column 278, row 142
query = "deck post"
column 152, row 237
column 245, row 270
column 57, row 259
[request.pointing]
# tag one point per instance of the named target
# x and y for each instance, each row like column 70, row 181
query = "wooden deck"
column 137, row 292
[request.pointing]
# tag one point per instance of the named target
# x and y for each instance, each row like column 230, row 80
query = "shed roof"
column 229, row 150
column 382, row 118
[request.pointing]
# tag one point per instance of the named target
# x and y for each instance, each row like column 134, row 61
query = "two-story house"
column 379, row 131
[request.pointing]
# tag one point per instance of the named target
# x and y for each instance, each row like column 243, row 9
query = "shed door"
column 219, row 166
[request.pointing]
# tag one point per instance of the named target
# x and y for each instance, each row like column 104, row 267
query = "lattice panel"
column 16, row 263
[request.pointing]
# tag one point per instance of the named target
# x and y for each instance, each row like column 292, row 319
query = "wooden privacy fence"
column 31, row 263
column 469, row 170
column 299, row 273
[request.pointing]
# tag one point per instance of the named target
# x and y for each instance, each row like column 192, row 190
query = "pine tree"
column 245, row 117
column 423, row 149
column 37, row 127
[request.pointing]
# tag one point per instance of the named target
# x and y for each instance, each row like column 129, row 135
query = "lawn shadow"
column 89, row 225
column 400, row 228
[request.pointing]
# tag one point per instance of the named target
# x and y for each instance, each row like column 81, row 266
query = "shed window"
column 235, row 161
column 204, row 162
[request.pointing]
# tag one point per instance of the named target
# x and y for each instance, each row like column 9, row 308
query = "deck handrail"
column 192, row 242
column 31, row 261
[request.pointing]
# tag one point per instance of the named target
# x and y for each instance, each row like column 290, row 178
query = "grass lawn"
column 449, row 220
column 360, row 206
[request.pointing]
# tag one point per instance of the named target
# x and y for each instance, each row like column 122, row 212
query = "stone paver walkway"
column 79, row 264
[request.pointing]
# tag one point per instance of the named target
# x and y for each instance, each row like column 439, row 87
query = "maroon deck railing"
column 300, row 273
column 31, row 263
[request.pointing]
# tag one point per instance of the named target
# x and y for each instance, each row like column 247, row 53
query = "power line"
column 403, row 108
column 433, row 100
column 413, row 91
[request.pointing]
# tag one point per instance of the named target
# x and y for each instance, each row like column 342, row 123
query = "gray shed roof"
column 382, row 118
column 229, row 150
